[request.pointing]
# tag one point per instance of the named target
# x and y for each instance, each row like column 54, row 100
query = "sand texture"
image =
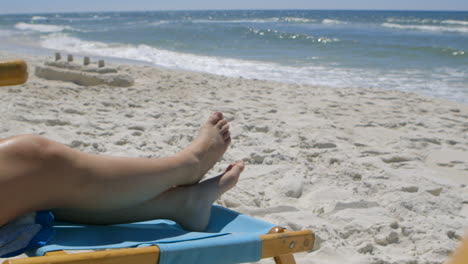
column 380, row 176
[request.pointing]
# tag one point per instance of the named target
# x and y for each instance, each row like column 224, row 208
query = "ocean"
column 416, row 51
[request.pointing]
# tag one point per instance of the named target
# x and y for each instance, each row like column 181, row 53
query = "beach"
column 380, row 176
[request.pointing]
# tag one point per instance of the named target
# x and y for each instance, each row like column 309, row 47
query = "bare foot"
column 210, row 144
column 195, row 214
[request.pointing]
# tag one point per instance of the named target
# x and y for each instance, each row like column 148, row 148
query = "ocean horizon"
column 416, row 51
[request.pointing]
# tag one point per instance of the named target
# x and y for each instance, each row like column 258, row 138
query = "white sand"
column 380, row 176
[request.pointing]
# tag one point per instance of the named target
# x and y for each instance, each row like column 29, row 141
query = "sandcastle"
column 88, row 74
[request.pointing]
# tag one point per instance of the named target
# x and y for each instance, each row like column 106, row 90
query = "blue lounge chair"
column 231, row 237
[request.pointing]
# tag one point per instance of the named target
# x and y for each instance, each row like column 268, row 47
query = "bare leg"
column 38, row 174
column 190, row 206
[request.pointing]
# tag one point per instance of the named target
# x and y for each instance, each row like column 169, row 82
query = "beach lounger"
column 231, row 237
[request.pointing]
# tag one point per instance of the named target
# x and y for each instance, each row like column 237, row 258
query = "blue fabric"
column 46, row 219
column 43, row 221
column 230, row 237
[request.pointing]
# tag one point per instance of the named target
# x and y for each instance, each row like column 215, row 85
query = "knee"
column 35, row 162
column 27, row 149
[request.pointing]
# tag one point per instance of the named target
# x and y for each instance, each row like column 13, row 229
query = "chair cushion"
column 230, row 237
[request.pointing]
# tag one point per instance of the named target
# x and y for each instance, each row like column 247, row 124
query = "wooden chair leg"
column 460, row 256
column 285, row 259
column 282, row 259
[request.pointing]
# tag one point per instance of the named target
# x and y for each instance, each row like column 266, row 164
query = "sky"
column 47, row 6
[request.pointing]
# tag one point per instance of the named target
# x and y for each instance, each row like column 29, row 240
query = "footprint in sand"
column 121, row 142
column 73, row 111
column 397, row 159
column 57, row 122
column 138, row 128
column 410, row 189
column 324, row 145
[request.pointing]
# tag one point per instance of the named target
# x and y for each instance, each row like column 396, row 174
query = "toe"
column 241, row 164
column 221, row 123
column 231, row 176
column 215, row 118
column 237, row 166
column 225, row 128
column 226, row 136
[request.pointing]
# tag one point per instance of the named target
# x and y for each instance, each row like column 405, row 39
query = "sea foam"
column 413, row 20
column 44, row 28
column 235, row 21
column 290, row 36
column 456, row 22
column 427, row 28
column 333, row 21
column 292, row 20
column 36, row 18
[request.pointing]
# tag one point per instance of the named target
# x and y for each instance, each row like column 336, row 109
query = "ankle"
column 191, row 163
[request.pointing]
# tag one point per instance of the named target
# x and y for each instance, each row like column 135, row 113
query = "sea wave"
column 413, row 20
column 435, row 83
column 36, row 18
column 455, row 22
column 264, row 20
column 98, row 17
column 427, row 28
column 44, row 28
column 156, row 23
column 297, row 20
column 454, row 52
column 86, row 18
column 333, row 21
column 259, row 20
column 459, row 53
column 172, row 59
column 290, row 36
column 441, row 51
column 160, row 57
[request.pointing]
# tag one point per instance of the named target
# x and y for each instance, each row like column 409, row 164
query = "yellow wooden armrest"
column 13, row 72
column 279, row 244
column 143, row 255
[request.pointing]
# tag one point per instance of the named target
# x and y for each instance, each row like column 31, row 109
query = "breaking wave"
column 43, row 28
column 427, row 28
column 332, row 21
column 455, row 22
column 36, row 18
column 290, row 36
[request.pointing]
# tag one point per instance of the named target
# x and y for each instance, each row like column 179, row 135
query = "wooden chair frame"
column 279, row 244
